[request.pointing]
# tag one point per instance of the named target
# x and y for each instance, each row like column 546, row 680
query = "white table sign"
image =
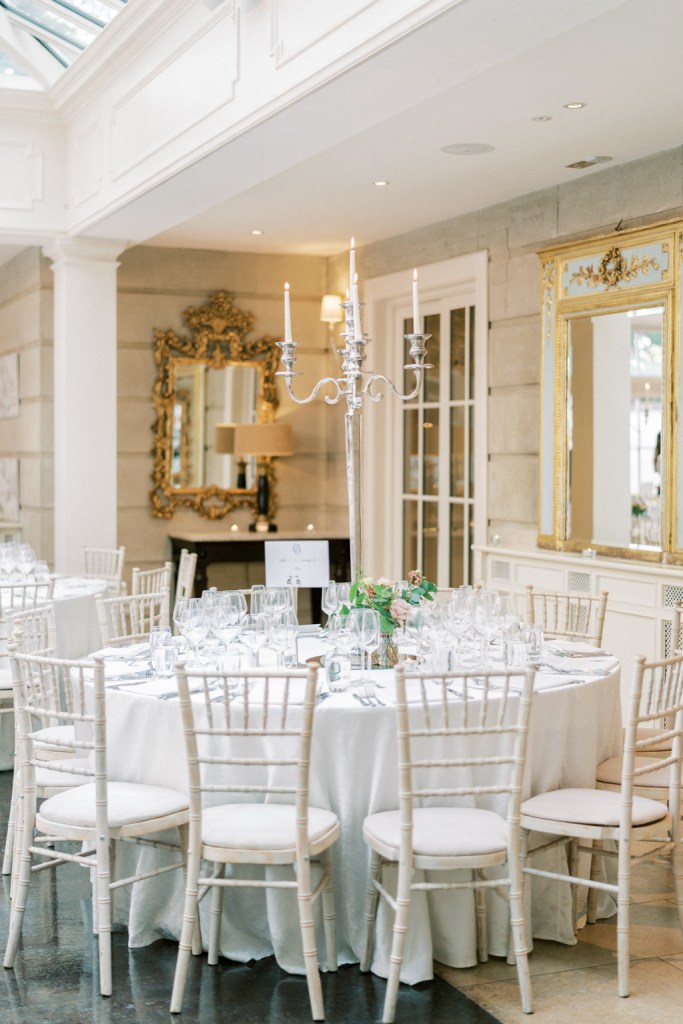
column 297, row 563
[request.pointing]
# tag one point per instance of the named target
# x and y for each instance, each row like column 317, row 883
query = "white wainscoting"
column 640, row 604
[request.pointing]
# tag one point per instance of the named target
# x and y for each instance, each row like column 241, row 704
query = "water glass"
column 514, row 652
column 164, row 658
column 533, row 638
column 338, row 671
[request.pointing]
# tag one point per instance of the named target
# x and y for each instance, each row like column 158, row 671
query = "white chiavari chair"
column 128, row 620
column 151, row 581
column 106, row 564
column 252, row 753
column 33, row 631
column 184, row 586
column 567, row 616
column 453, row 753
column 97, row 813
column 621, row 814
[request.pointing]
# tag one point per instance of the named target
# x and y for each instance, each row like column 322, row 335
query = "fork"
column 368, row 696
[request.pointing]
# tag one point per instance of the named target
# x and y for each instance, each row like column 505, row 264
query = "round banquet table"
column 575, row 724
column 77, row 632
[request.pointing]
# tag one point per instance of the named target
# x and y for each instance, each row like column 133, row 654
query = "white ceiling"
column 480, row 73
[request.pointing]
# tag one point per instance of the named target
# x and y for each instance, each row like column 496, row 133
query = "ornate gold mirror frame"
column 590, row 288
column 217, row 339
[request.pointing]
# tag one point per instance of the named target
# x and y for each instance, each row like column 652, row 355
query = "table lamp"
column 266, row 441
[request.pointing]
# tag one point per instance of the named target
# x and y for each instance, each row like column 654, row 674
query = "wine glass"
column 26, row 560
column 193, row 625
column 254, row 634
column 416, row 625
column 282, row 633
column 329, row 601
column 368, row 636
column 256, row 599
column 483, row 619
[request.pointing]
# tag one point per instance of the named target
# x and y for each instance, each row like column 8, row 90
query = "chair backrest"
column 152, row 581
column 128, row 620
column 33, row 630
column 20, row 597
column 184, row 586
column 51, row 691
column 105, row 564
column 568, row 616
column 656, row 701
column 461, row 740
column 256, row 744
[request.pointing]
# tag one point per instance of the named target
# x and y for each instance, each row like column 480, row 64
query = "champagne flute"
column 368, row 637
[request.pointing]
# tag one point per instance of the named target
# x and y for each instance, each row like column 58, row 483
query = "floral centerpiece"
column 392, row 600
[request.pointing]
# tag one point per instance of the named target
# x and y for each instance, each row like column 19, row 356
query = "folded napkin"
column 572, row 648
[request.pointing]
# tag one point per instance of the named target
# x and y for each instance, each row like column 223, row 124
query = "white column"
column 85, row 397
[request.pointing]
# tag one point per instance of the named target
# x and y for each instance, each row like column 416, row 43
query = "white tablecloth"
column 573, row 727
column 77, row 634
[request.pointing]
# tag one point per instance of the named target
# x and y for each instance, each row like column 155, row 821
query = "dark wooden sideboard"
column 244, row 547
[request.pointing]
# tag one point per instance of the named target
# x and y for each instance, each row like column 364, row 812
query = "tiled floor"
column 578, row 984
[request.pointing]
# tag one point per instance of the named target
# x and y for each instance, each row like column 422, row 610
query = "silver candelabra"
column 354, row 384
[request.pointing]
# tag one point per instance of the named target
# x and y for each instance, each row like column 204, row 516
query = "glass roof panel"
column 9, row 68
column 63, row 28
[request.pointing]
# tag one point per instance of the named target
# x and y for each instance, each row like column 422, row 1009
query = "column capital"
column 84, row 250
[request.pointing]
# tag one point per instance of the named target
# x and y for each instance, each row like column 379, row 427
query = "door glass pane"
column 430, row 484
column 432, row 325
column 430, row 531
column 457, row 577
column 410, row 556
column 471, row 348
column 458, row 367
column 459, row 461
column 411, row 468
column 470, row 460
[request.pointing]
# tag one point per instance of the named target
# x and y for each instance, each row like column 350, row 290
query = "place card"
column 297, row 563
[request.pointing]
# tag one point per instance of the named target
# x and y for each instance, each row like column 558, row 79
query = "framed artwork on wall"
column 9, row 490
column 9, row 386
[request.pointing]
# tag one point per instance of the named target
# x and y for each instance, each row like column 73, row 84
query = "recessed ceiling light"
column 467, row 148
column 579, row 165
column 542, row 117
column 380, row 184
column 257, row 231
column 574, row 106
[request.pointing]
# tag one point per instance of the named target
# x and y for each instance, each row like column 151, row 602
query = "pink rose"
column 399, row 610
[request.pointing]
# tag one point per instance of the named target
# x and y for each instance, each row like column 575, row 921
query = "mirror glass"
column 614, row 429
column 204, row 397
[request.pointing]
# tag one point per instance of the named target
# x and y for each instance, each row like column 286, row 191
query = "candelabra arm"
column 380, row 378
column 332, row 399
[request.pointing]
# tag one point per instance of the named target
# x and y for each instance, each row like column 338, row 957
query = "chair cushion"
column 261, row 826
column 610, row 772
column 591, row 807
column 128, row 802
column 442, row 831
column 53, row 739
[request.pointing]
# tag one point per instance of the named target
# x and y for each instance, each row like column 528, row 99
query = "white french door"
column 425, row 460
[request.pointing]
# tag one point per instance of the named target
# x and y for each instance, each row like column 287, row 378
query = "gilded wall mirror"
column 214, row 375
column 610, row 474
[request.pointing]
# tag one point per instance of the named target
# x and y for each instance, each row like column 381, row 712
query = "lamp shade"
column 224, row 438
column 263, row 439
column 330, row 309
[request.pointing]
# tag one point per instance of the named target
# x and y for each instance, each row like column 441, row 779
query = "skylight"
column 40, row 38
